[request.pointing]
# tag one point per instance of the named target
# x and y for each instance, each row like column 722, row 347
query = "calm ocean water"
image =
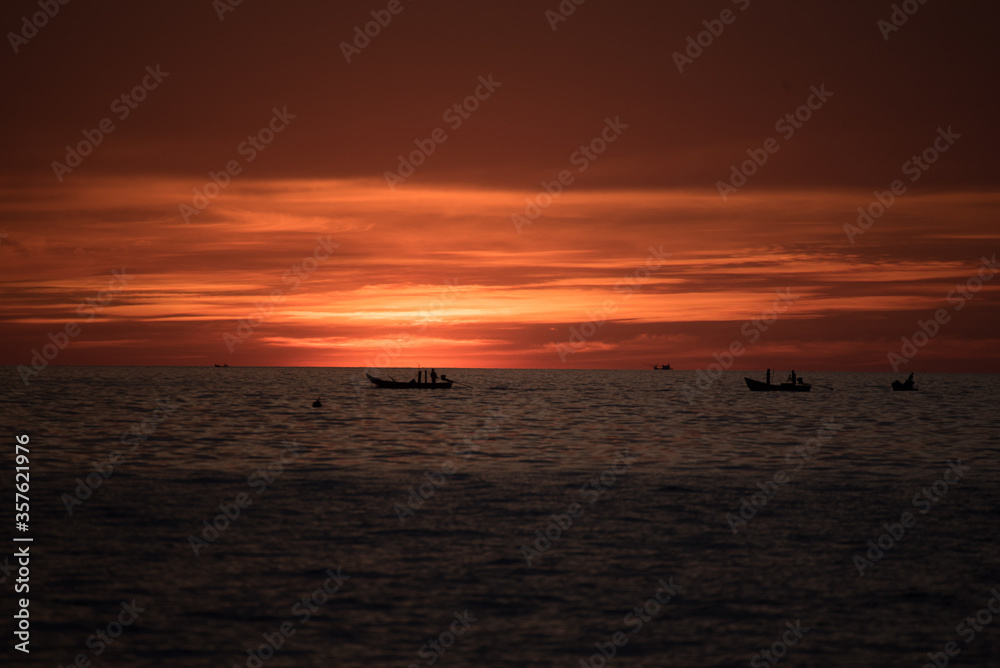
column 399, row 528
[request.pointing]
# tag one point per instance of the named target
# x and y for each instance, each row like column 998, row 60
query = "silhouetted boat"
column 409, row 385
column 903, row 387
column 662, row 367
column 757, row 386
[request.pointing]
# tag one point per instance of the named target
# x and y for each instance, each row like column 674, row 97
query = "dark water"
column 653, row 477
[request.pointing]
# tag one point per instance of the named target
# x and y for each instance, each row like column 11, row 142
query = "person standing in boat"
column 434, row 377
column 768, row 376
column 791, row 377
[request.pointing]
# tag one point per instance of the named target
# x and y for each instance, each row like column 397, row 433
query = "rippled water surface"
column 436, row 503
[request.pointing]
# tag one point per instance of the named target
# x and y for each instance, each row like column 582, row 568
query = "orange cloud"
column 445, row 271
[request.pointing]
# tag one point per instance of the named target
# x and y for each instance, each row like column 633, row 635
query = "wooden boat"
column 757, row 386
column 903, row 387
column 409, row 385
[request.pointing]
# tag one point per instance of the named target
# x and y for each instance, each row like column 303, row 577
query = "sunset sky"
column 334, row 262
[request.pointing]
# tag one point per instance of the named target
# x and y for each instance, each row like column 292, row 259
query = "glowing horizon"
column 339, row 271
column 524, row 186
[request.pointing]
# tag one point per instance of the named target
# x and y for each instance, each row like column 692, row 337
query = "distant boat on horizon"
column 758, row 386
column 662, row 367
column 409, row 385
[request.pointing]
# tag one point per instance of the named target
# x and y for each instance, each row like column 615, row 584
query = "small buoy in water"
column 317, row 404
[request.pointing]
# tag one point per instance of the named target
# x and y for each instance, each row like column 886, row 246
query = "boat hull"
column 902, row 387
column 412, row 385
column 757, row 386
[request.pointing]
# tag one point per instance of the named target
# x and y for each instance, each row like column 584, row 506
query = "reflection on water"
column 226, row 419
column 481, row 470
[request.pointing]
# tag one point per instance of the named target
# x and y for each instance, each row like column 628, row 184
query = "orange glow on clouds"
column 444, row 275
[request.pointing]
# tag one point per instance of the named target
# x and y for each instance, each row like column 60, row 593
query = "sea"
column 183, row 516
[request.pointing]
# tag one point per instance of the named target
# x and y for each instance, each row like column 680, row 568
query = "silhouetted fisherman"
column 791, row 377
column 768, row 376
column 434, row 377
